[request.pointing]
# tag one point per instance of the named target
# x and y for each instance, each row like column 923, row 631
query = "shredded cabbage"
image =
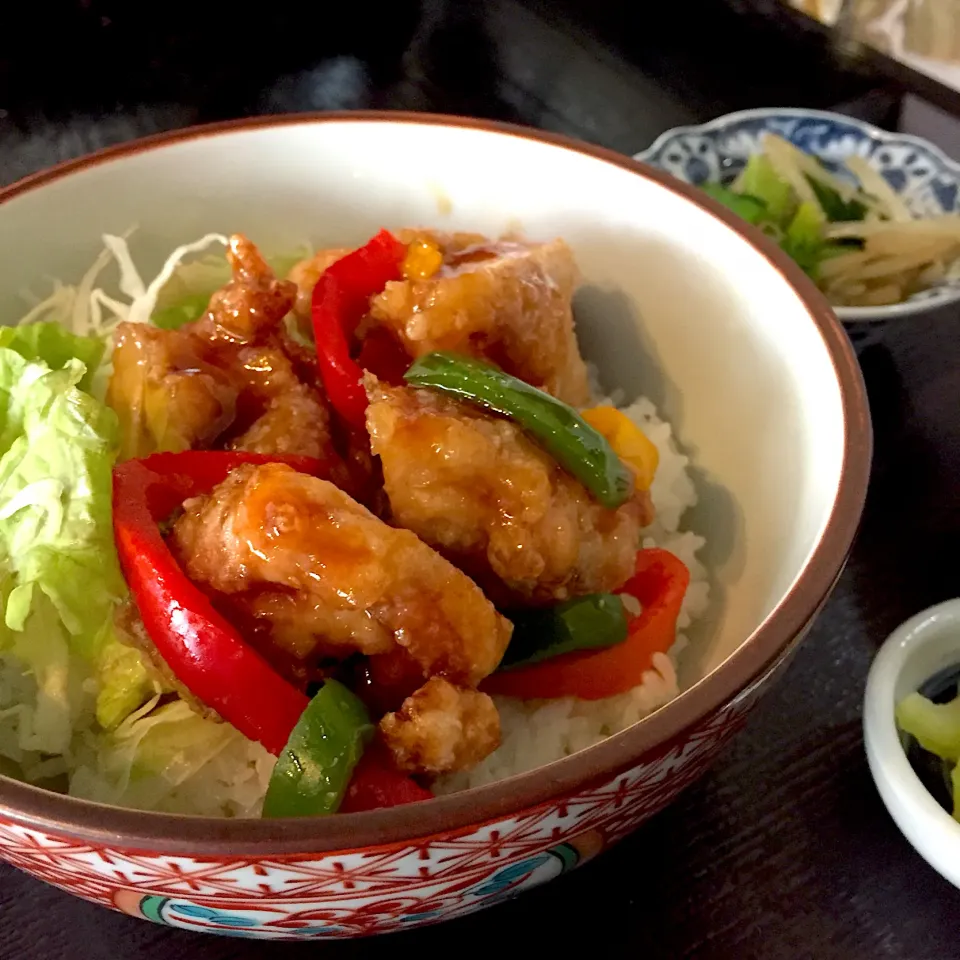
column 166, row 757
column 66, row 679
column 86, row 310
column 81, row 710
column 125, row 683
column 58, row 568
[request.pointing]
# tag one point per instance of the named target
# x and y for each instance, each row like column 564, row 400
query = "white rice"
column 227, row 775
column 536, row 732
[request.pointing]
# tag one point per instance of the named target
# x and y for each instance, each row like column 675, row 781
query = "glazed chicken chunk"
column 475, row 487
column 252, row 305
column 329, row 575
column 166, row 395
column 234, row 372
column 507, row 301
column 441, row 728
column 293, row 423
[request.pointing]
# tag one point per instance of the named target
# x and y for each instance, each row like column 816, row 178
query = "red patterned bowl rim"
column 156, row 832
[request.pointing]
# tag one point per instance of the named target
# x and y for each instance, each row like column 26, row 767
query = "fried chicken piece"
column 309, row 629
column 261, row 370
column 278, row 411
column 251, row 305
column 441, row 728
column 295, row 422
column 243, row 330
column 235, row 367
column 348, row 575
column 507, row 301
column 478, row 489
column 165, row 394
column 305, row 275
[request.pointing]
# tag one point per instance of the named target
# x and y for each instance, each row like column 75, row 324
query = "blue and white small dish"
column 925, row 177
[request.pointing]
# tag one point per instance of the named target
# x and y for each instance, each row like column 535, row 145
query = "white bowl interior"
column 676, row 305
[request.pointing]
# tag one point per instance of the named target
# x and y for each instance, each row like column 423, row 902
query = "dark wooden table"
column 784, row 849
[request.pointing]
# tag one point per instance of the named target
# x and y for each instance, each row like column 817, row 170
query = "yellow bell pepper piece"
column 629, row 442
column 424, row 258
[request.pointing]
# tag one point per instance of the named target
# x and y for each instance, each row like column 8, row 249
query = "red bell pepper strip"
column 205, row 651
column 376, row 784
column 340, row 299
column 384, row 355
column 659, row 582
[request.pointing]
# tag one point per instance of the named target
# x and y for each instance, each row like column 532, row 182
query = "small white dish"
column 916, row 651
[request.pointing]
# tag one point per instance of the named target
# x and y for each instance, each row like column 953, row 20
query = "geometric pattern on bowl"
column 377, row 890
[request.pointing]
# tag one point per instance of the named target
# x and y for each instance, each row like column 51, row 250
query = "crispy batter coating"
column 477, row 488
column 441, row 728
column 269, row 527
column 507, row 301
column 295, row 422
column 166, row 395
column 252, row 304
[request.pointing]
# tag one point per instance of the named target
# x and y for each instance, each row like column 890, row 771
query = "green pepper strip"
column 313, row 772
column 562, row 432
column 583, row 623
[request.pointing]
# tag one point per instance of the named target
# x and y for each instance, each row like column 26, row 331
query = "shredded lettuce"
column 42, row 645
column 60, row 580
column 77, row 703
column 55, row 346
column 166, row 757
column 125, row 683
column 59, row 576
column 74, row 699
column 184, row 311
column 56, row 530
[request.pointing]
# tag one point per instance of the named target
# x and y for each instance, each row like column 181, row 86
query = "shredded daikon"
column 87, row 310
column 143, row 306
column 780, row 154
column 794, row 166
column 874, row 184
